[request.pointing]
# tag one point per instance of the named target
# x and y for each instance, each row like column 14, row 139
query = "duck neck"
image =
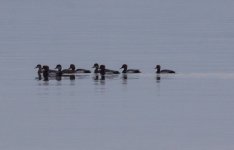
column 124, row 70
column 96, row 70
column 59, row 69
column 158, row 70
column 39, row 71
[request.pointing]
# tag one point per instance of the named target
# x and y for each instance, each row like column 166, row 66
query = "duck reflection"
column 158, row 78
column 58, row 78
column 72, row 77
column 124, row 78
column 95, row 77
column 103, row 77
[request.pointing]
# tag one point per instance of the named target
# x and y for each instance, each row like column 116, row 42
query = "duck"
column 126, row 70
column 61, row 71
column 74, row 70
column 107, row 71
column 158, row 68
column 96, row 66
column 40, row 70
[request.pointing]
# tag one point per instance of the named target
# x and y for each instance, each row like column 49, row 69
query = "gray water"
column 191, row 110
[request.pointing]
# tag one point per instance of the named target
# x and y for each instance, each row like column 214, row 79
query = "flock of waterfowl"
column 45, row 72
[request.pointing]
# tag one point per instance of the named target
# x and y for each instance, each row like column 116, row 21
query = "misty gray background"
column 187, row 111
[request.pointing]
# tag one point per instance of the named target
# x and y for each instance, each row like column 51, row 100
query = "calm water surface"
column 191, row 110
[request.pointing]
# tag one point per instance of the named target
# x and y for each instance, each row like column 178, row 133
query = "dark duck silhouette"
column 74, row 70
column 126, row 70
column 159, row 71
column 40, row 70
column 61, row 71
column 96, row 66
column 107, row 71
column 102, row 71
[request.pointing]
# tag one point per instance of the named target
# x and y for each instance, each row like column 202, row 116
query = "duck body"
column 82, row 71
column 131, row 71
column 126, row 70
column 107, row 71
column 164, row 71
column 74, row 70
column 167, row 71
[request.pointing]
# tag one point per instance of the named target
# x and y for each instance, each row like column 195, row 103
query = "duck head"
column 59, row 67
column 157, row 67
column 95, row 65
column 102, row 67
column 72, row 67
column 45, row 68
column 38, row 66
column 124, row 66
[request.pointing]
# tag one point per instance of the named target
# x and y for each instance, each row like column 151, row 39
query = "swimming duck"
column 158, row 67
column 107, row 71
column 74, row 70
column 96, row 66
column 40, row 70
column 126, row 70
column 62, row 71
